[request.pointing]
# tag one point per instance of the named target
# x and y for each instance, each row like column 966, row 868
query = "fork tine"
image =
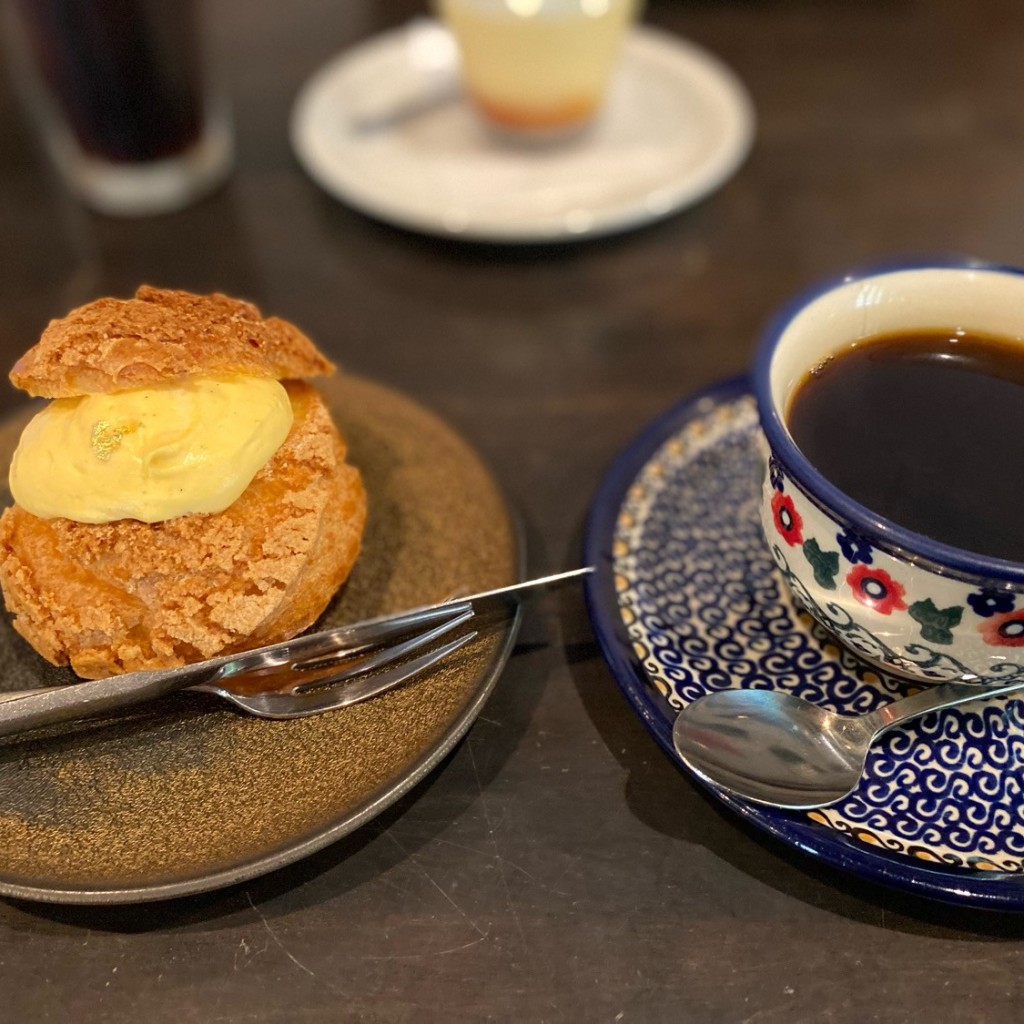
column 312, row 702
column 325, row 669
column 344, row 640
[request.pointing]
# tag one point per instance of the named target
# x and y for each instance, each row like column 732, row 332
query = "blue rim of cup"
column 883, row 533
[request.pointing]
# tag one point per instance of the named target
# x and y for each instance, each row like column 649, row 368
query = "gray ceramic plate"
column 187, row 795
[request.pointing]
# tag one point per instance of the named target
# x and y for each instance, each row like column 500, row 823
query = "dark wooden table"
column 557, row 866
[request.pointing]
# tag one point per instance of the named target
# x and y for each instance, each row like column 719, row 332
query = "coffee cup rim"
column 881, row 532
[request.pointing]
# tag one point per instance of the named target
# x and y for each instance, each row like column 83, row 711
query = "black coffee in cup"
column 924, row 428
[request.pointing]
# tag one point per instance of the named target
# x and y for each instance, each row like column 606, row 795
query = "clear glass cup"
column 120, row 91
column 537, row 66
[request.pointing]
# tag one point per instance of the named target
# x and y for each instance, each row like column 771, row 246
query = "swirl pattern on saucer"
column 706, row 609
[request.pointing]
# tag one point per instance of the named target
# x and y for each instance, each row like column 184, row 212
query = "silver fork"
column 284, row 680
column 298, row 690
column 291, row 679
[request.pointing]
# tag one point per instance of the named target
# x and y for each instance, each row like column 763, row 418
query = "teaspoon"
column 777, row 749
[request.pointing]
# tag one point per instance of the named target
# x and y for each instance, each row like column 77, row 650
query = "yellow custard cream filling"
column 151, row 454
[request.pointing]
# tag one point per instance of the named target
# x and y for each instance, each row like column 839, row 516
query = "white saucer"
column 676, row 124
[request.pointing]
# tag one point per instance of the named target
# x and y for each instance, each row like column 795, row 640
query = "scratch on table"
column 524, row 872
column 572, row 862
column 430, row 878
column 497, row 853
column 509, row 863
column 402, row 890
column 754, row 1016
column 248, row 952
column 461, row 846
column 281, row 946
column 434, row 952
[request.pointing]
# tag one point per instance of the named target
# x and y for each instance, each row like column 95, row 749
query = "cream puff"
column 184, row 495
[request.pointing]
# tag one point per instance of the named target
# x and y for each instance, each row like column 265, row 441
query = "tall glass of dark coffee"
column 121, row 91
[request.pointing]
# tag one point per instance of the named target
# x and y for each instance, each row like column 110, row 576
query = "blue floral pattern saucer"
column 688, row 600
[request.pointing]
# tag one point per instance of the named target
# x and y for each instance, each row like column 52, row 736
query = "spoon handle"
column 945, row 695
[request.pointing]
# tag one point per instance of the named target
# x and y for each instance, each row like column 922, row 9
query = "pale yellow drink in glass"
column 537, row 64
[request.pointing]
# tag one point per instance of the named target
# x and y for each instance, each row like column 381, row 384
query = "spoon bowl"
column 774, row 748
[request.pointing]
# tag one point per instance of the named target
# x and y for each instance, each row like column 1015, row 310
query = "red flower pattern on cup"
column 787, row 519
column 1006, row 630
column 876, row 588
